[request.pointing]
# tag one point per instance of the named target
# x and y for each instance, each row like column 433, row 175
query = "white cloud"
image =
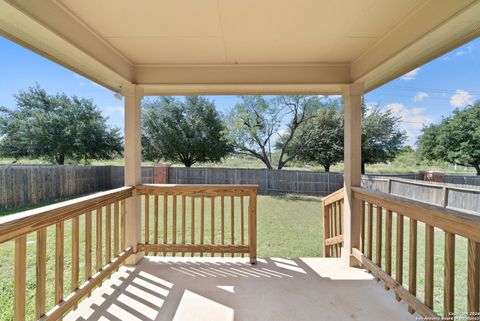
column 411, row 74
column 114, row 111
column 412, row 120
column 420, row 96
column 461, row 98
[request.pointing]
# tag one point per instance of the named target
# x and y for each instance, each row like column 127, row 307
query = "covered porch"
column 138, row 49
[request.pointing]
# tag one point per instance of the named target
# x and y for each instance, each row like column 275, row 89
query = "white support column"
column 352, row 97
column 133, row 97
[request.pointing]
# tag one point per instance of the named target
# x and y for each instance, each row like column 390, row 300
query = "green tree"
column 382, row 138
column 456, row 139
column 188, row 131
column 320, row 140
column 56, row 128
column 259, row 125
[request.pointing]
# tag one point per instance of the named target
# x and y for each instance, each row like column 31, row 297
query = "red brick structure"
column 160, row 173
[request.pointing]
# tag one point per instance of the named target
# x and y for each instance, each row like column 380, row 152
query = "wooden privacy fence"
column 440, row 194
column 269, row 181
column 382, row 238
column 97, row 225
column 202, row 220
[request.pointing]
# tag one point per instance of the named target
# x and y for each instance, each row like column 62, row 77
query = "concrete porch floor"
column 175, row 288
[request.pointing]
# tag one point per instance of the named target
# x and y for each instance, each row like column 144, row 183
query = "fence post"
column 445, row 196
column 389, row 186
column 266, row 181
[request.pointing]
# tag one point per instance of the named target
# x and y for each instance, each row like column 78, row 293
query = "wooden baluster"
column 116, row 228
column 192, row 218
column 412, row 260
column 388, row 244
column 331, row 228
column 174, row 221
column 326, row 230
column 370, row 231
column 202, row 222
column 449, row 278
column 155, row 220
column 242, row 224
column 362, row 227
column 20, row 277
column 59, row 261
column 88, row 246
column 184, row 210
column 378, row 238
column 473, row 277
column 99, row 247
column 108, row 234
column 212, row 222
column 339, row 210
column 429, row 256
column 75, row 254
column 335, row 225
column 222, row 228
column 399, row 252
column 232, row 221
column 41, row 273
column 122, row 215
column 147, row 220
column 252, row 226
column 165, row 220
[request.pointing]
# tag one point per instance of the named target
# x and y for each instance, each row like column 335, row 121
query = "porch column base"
column 348, row 258
column 134, row 259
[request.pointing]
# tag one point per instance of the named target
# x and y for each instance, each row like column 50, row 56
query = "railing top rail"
column 333, row 197
column 452, row 221
column 15, row 225
column 196, row 189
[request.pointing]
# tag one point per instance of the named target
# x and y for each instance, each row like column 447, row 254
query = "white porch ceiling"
column 247, row 46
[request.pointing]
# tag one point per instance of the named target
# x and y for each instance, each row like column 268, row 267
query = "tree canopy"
column 259, row 125
column 326, row 126
column 456, row 139
column 56, row 128
column 381, row 137
column 188, row 131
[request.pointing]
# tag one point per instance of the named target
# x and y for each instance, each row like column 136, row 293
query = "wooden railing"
column 199, row 219
column 96, row 225
column 332, row 223
column 382, row 252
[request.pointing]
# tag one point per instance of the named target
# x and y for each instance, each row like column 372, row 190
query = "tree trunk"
column 60, row 159
column 477, row 168
column 363, row 168
column 327, row 168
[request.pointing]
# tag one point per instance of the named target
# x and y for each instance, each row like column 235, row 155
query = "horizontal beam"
column 13, row 226
column 242, row 79
column 194, row 248
column 46, row 28
column 428, row 32
column 70, row 301
column 334, row 240
column 411, row 300
column 455, row 222
column 195, row 190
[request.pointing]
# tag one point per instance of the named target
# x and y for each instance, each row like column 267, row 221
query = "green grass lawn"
column 288, row 226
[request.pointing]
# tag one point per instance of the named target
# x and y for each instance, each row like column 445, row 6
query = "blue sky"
column 420, row 97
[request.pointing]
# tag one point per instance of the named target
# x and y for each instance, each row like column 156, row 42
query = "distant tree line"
column 273, row 129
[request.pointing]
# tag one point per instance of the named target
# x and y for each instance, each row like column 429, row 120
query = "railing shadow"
column 231, row 289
